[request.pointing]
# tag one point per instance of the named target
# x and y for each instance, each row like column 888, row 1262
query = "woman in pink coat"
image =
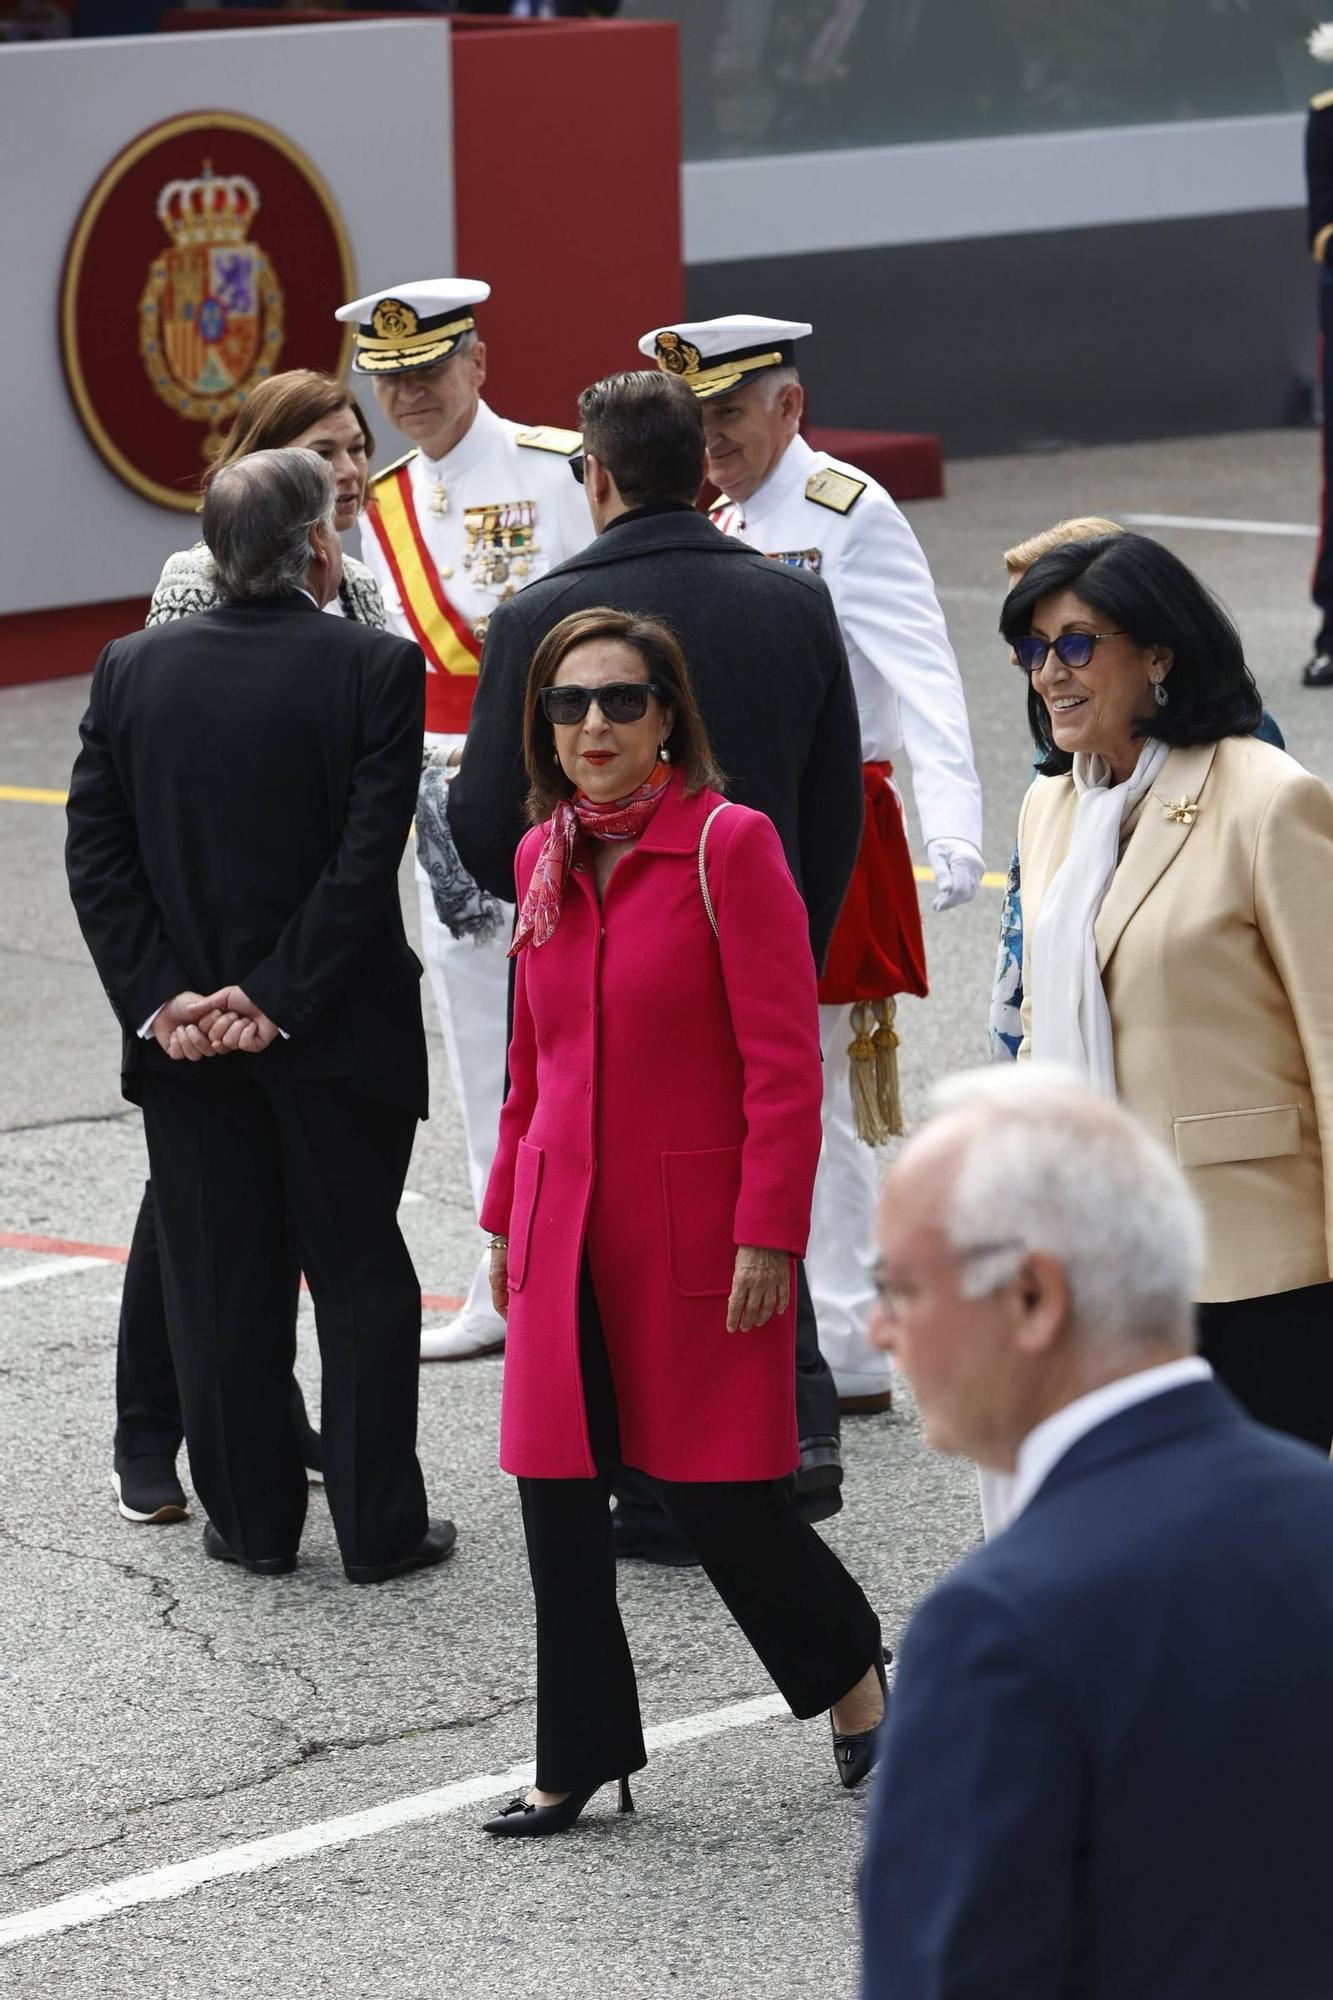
column 651, row 1189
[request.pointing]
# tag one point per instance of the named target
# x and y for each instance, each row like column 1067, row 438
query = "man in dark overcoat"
column 770, row 671
column 237, row 816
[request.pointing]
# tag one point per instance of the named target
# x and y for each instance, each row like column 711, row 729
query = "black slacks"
column 805, row 1617
column 241, row 1150
column 148, row 1404
column 1275, row 1354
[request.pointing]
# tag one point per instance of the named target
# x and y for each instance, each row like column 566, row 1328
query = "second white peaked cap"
column 412, row 326
column 713, row 355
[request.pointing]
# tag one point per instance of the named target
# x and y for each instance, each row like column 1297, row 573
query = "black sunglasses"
column 1072, row 649
column 575, row 464
column 619, row 701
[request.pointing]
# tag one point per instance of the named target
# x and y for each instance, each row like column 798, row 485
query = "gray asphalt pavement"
column 155, row 1708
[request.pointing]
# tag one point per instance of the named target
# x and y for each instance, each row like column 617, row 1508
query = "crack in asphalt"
column 65, row 1854
column 309, row 1750
column 75, row 1118
column 165, row 1604
column 315, row 1749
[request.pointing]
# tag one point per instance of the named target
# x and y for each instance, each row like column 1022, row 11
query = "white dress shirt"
column 1043, row 1448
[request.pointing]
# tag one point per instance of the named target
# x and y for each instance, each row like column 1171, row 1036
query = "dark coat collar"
column 284, row 606
column 681, row 528
column 1144, row 1427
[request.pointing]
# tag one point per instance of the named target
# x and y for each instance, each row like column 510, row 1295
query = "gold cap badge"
column 677, row 356
column 393, row 321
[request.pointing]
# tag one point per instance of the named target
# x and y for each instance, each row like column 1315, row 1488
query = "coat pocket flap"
column 701, row 1191
column 527, row 1181
column 1220, row 1136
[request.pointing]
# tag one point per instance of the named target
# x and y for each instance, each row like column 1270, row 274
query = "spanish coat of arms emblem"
column 211, row 315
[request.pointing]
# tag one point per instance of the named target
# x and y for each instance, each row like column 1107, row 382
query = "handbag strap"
column 703, row 872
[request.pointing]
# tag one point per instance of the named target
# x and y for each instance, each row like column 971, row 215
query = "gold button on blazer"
column 1215, row 944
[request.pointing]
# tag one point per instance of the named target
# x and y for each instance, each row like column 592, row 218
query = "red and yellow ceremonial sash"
column 444, row 635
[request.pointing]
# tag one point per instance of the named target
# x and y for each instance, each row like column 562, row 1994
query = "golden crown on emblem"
column 216, row 208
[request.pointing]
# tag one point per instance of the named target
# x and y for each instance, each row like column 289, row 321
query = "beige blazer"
column 1215, row 944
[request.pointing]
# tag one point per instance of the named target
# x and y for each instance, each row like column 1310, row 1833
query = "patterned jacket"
column 188, row 584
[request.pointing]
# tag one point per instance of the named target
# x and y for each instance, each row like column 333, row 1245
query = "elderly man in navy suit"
column 1108, row 1768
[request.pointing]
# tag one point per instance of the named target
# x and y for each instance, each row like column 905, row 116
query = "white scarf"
column 1071, row 1022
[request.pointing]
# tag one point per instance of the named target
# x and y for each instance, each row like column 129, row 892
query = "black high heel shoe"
column 855, row 1754
column 520, row 1818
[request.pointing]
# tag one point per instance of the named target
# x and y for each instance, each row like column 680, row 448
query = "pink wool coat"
column 664, row 1107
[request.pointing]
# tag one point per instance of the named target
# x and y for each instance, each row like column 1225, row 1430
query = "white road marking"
column 50, row 1267
column 1219, row 524
column 252, row 1857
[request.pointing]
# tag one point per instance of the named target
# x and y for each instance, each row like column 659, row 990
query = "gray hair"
column 258, row 513
column 773, row 381
column 1049, row 1165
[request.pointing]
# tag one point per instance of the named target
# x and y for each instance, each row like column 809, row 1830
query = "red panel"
column 567, row 139
column 47, row 645
column 909, row 464
column 567, row 178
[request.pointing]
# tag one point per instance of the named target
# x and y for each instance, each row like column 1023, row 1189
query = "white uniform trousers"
column 840, row 1262
column 471, row 987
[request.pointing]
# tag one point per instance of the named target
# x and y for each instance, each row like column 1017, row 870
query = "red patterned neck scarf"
column 617, row 819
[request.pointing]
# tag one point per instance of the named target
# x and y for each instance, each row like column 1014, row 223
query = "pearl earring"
column 663, row 754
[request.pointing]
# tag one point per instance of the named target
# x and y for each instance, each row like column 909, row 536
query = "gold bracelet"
column 499, row 1243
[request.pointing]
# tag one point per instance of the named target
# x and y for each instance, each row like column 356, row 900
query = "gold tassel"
column 867, row 1112
column 887, row 1089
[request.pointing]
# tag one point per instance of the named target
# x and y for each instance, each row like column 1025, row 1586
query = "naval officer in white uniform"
column 809, row 509
column 474, row 511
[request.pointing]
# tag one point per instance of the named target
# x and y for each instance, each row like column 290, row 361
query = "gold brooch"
column 1183, row 811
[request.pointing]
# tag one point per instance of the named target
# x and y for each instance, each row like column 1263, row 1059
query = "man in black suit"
column 770, row 671
column 237, row 815
column 1107, row 1763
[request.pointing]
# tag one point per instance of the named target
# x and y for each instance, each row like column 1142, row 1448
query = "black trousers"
column 236, row 1148
column 816, row 1392
column 148, row 1404
column 806, row 1618
column 1275, row 1354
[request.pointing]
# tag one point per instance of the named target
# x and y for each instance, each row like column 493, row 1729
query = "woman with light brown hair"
column 298, row 407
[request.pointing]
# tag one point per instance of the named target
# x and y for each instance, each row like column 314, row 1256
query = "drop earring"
column 1159, row 694
column 663, row 754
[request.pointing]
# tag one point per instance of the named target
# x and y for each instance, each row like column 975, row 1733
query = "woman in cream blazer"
column 1209, row 907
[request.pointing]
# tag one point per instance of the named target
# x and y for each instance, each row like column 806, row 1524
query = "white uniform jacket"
column 489, row 467
column 908, row 690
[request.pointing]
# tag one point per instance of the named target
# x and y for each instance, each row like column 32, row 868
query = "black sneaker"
column 1318, row 672
column 149, row 1492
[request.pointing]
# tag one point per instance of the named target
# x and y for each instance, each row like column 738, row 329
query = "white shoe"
column 464, row 1339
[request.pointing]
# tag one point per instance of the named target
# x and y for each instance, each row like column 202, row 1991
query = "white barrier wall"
column 369, row 103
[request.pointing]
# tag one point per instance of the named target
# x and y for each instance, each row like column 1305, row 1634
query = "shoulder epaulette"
column 545, row 437
column 837, row 490
column 1323, row 101
column 397, row 466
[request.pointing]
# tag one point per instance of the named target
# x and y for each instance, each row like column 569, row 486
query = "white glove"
column 958, row 870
